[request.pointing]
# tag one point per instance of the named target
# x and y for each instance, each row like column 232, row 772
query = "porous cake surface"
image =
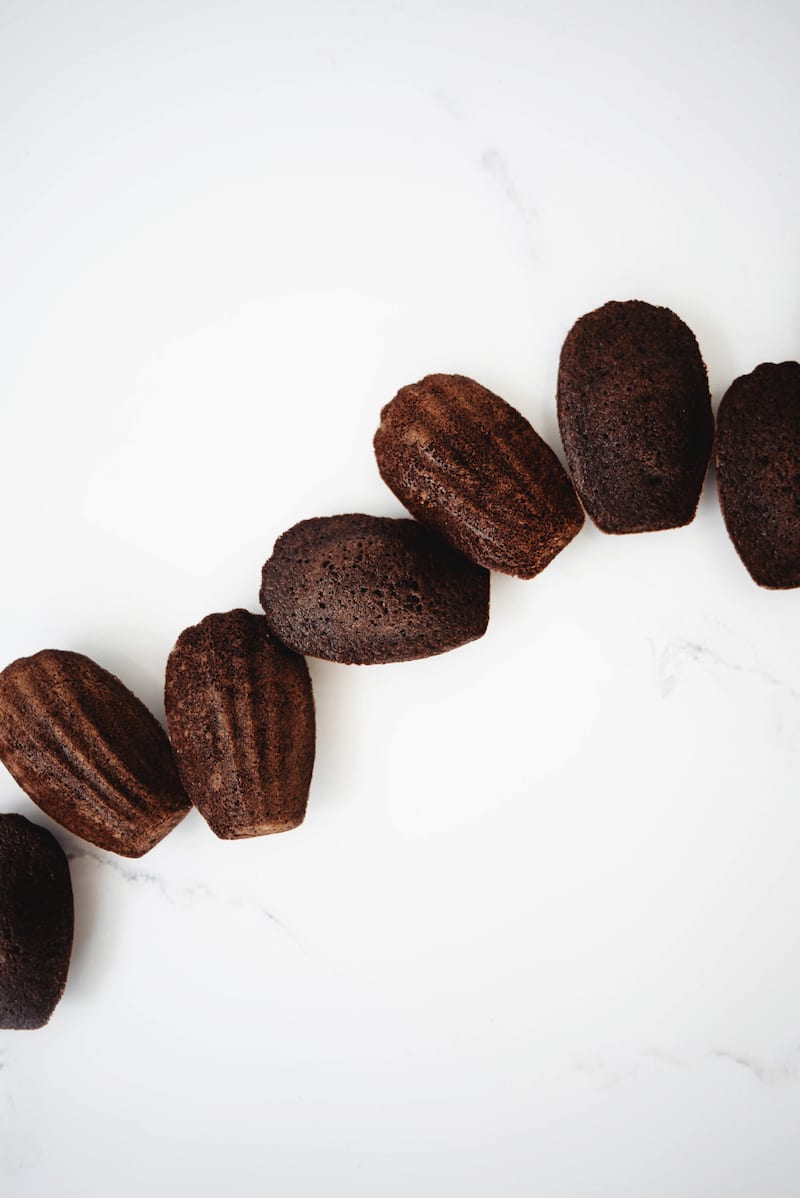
column 36, row 923
column 758, row 471
column 368, row 589
column 634, row 411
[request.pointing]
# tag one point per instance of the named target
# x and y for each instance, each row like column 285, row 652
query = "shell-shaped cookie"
column 240, row 715
column 88, row 752
column 366, row 590
column 758, row 471
column 36, row 923
column 634, row 411
column 467, row 464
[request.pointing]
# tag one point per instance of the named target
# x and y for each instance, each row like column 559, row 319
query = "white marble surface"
column 539, row 933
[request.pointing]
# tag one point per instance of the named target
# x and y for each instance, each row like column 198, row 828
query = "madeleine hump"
column 88, row 752
column 366, row 590
column 634, row 411
column 467, row 464
column 240, row 714
column 36, row 923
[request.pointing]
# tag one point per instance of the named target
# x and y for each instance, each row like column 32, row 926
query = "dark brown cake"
column 36, row 923
column 84, row 748
column 635, row 416
column 467, row 464
column 240, row 714
column 365, row 590
column 758, row 471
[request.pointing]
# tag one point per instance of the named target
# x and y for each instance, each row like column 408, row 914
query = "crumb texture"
column 634, row 411
column 88, row 752
column 240, row 714
column 758, row 471
column 366, row 590
column 467, row 464
column 36, row 923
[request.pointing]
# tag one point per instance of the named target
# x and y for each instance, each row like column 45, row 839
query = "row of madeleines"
column 487, row 493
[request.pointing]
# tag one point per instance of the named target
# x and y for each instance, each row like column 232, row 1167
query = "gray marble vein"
column 187, row 894
column 494, row 164
column 675, row 658
column 770, row 1074
column 609, row 1075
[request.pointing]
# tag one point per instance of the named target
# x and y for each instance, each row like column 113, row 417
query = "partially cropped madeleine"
column 240, row 714
column 36, row 923
column 758, row 471
column 88, row 752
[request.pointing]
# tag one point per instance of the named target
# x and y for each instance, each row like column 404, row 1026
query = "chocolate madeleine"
column 84, row 748
column 36, row 923
column 240, row 715
column 366, row 590
column 758, row 471
column 635, row 416
column 467, row 464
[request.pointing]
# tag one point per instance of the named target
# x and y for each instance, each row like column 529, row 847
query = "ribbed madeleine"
column 466, row 463
column 240, row 713
column 88, row 752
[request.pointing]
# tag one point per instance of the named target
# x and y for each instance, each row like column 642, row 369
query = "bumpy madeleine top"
column 634, row 411
column 366, row 590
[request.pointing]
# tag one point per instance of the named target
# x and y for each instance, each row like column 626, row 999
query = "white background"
column 539, row 933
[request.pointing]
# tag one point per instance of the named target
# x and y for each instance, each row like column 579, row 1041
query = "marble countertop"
column 539, row 931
